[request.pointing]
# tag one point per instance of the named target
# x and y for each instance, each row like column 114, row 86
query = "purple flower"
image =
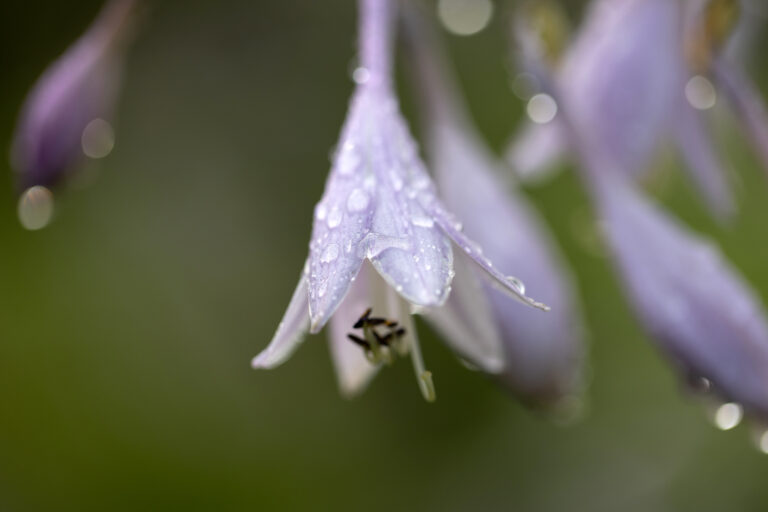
column 628, row 89
column 66, row 115
column 543, row 353
column 696, row 307
column 379, row 212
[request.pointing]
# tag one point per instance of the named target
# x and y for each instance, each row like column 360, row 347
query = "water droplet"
column 728, row 416
column 361, row 75
column 541, row 109
column 334, row 217
column 517, row 283
column 465, row 17
column 349, row 160
column 357, row 201
column 762, row 443
column 35, row 208
column 98, row 139
column 700, row 93
column 422, row 221
column 330, row 253
column 321, row 212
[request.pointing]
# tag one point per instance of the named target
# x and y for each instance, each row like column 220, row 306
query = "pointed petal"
column 290, row 333
column 510, row 285
column 535, row 152
column 78, row 88
column 748, row 105
column 342, row 219
column 695, row 304
column 620, row 83
column 353, row 370
column 405, row 246
column 703, row 163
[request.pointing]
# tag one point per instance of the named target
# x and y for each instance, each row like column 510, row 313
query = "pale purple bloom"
column 543, row 353
column 624, row 79
column 692, row 302
column 379, row 210
column 79, row 88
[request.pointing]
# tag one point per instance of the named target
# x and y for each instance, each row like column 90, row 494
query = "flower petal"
column 544, row 351
column 465, row 320
column 699, row 310
column 619, row 82
column 342, row 219
column 534, row 152
column 702, row 163
column 353, row 370
column 510, row 285
column 748, row 105
column 75, row 90
column 291, row 331
column 405, row 246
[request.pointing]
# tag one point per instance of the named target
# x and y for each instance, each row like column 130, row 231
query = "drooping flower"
column 66, row 117
column 379, row 210
column 543, row 352
column 695, row 306
column 629, row 90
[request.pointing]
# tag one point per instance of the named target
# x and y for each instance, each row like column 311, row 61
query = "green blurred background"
column 128, row 325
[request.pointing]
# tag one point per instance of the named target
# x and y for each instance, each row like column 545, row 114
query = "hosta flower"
column 66, row 116
column 712, row 24
column 692, row 302
column 379, row 213
column 543, row 353
column 628, row 89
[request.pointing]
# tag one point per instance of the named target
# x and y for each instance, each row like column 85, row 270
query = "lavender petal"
column 290, row 333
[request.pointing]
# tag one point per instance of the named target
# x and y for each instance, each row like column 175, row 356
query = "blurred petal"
column 78, row 88
column 620, row 84
column 544, row 351
column 702, row 162
column 692, row 301
column 620, row 81
column 466, row 322
column 748, row 105
column 353, row 370
column 291, row 331
column 536, row 150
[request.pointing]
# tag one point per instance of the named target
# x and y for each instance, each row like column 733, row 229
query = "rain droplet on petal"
column 517, row 283
column 422, row 221
column 330, row 253
column 334, row 217
column 321, row 212
column 35, row 208
column 357, row 201
column 349, row 160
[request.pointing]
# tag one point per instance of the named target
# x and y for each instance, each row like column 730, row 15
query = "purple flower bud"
column 66, row 116
column 693, row 303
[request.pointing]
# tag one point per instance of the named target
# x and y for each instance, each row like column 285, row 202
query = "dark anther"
column 365, row 321
column 360, row 341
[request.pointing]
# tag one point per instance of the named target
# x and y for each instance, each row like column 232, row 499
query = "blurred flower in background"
column 67, row 116
column 693, row 303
